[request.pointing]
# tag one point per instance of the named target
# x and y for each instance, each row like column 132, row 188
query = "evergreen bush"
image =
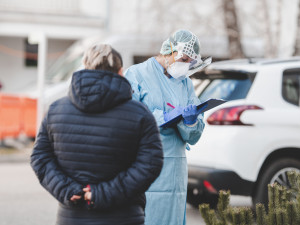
column 283, row 207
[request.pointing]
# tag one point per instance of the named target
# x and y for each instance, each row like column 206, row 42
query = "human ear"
column 120, row 72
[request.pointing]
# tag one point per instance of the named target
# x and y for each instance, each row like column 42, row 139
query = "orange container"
column 28, row 116
column 10, row 116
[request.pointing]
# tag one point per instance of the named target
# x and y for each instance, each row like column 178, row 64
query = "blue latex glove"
column 190, row 114
column 173, row 113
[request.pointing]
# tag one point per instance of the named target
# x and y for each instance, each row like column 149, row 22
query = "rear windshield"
column 227, row 89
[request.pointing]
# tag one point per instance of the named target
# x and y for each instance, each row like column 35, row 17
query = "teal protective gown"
column 166, row 197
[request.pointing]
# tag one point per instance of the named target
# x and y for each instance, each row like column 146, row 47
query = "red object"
column 209, row 187
column 89, row 187
column 171, row 105
column 10, row 116
column 29, row 115
column 230, row 115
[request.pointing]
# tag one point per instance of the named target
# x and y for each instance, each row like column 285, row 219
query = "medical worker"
column 162, row 83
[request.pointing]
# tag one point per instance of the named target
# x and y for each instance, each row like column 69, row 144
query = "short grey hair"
column 102, row 57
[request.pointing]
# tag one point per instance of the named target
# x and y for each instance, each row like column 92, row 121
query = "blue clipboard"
column 210, row 103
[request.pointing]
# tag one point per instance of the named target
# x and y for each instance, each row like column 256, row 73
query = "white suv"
column 254, row 138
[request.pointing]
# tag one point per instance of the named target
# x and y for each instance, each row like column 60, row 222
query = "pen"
column 171, row 105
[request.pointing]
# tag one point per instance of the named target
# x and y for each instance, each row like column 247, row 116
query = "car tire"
column 277, row 169
column 196, row 199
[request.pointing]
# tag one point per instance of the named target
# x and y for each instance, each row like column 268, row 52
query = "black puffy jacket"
column 98, row 136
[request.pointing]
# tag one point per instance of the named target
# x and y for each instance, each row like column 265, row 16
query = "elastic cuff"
column 92, row 204
column 192, row 125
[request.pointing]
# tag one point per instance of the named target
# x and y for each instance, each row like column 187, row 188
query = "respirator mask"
column 182, row 70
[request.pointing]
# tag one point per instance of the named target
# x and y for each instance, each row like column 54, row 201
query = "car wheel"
column 196, row 199
column 275, row 172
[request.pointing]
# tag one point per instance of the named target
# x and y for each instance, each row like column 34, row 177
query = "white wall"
column 14, row 75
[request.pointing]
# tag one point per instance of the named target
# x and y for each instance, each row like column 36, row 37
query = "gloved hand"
column 173, row 113
column 190, row 114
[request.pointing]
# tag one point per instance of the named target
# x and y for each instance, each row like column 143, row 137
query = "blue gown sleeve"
column 139, row 94
column 191, row 134
column 130, row 75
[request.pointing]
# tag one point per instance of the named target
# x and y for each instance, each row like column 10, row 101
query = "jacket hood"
column 96, row 91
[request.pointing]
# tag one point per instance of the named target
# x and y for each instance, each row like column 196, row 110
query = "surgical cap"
column 183, row 42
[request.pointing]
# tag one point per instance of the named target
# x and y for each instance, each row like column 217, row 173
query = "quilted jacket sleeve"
column 50, row 175
column 136, row 179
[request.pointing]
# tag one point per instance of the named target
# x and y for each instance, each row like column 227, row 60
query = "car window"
column 290, row 86
column 227, row 89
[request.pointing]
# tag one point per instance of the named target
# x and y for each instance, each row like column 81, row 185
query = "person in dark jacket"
column 97, row 150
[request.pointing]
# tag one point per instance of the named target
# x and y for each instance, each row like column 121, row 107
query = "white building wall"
column 15, row 75
column 63, row 22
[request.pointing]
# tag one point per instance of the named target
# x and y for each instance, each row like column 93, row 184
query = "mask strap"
column 172, row 51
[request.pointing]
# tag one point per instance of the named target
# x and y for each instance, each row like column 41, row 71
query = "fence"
column 17, row 116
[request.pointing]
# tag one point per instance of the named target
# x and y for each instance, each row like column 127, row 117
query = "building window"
column 31, row 54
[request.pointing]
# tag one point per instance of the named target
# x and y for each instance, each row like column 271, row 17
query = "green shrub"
column 283, row 207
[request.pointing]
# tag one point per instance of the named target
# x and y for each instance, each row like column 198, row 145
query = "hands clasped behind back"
column 87, row 195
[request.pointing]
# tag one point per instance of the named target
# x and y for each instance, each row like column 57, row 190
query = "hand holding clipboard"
column 203, row 107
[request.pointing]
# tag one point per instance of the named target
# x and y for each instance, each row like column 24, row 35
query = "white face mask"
column 178, row 70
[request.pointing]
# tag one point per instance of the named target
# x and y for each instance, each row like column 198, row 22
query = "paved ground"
column 24, row 202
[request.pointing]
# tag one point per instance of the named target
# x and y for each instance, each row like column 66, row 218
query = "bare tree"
column 297, row 42
column 278, row 28
column 269, row 46
column 271, row 38
column 232, row 29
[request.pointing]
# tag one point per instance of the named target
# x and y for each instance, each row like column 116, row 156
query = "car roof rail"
column 279, row 60
column 232, row 61
column 258, row 61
